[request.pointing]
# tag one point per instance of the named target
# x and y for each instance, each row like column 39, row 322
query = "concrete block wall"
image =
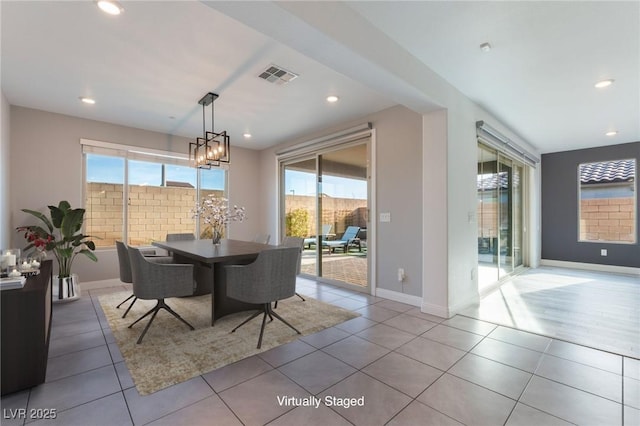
column 154, row 211
column 607, row 219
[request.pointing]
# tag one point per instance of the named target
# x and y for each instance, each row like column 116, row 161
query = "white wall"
column 461, row 285
column 5, row 161
column 47, row 147
column 398, row 174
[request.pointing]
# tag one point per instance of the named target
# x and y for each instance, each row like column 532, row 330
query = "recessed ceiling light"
column 332, row 98
column 485, row 47
column 603, row 83
column 89, row 101
column 111, row 7
column 247, row 135
column 611, row 133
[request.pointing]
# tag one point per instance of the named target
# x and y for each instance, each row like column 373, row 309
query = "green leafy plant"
column 297, row 223
column 60, row 235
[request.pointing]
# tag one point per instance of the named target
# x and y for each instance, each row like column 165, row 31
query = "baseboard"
column 437, row 310
column 591, row 267
column 399, row 297
column 448, row 311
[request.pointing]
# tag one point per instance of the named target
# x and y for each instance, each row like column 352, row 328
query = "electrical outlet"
column 603, row 252
column 401, row 275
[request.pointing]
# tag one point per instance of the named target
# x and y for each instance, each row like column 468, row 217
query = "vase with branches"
column 216, row 213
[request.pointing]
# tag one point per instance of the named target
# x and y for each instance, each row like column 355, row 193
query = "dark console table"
column 26, row 327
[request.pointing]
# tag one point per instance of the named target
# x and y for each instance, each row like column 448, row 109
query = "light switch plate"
column 385, row 217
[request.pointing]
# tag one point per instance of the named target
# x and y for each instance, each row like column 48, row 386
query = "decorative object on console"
column 216, row 214
column 213, row 148
column 61, row 235
column 9, row 261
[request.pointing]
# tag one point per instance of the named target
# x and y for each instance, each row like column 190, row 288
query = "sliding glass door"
column 300, row 206
column 500, row 215
column 326, row 194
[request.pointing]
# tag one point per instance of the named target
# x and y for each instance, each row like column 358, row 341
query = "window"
column 160, row 193
column 607, row 208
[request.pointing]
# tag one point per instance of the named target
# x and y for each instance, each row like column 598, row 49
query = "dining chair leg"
column 247, row 320
column 271, row 311
column 155, row 312
column 267, row 308
column 160, row 305
column 172, row 312
column 143, row 317
column 128, row 298
column 275, row 305
column 130, row 306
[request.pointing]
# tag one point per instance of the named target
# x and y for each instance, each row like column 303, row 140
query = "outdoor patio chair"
column 349, row 238
column 326, row 233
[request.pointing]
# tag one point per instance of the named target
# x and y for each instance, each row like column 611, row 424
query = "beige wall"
column 52, row 142
column 398, row 190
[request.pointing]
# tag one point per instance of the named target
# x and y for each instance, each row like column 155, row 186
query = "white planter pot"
column 66, row 289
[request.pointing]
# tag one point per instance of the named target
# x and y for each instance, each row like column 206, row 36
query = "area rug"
column 171, row 353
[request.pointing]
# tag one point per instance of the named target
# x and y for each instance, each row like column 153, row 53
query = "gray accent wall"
column 560, row 208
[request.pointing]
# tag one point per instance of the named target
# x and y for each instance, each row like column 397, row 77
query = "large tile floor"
column 411, row 368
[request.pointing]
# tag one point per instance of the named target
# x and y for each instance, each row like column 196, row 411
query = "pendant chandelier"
column 213, row 148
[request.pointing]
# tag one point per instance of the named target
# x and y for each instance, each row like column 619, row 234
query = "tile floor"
column 410, row 367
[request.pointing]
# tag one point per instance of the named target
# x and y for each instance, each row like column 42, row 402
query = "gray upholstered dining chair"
column 181, row 236
column 299, row 243
column 271, row 277
column 159, row 281
column 262, row 238
column 125, row 270
column 186, row 236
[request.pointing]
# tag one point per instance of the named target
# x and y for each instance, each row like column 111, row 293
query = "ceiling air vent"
column 277, row 75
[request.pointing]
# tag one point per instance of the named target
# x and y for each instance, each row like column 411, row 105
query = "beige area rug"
column 170, row 353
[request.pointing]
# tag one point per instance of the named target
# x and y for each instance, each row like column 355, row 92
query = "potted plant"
column 61, row 235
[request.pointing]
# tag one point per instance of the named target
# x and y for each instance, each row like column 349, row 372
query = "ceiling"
column 148, row 67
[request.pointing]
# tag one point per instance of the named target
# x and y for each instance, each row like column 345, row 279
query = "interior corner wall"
column 398, row 174
column 435, row 241
column 5, row 156
column 47, row 146
column 560, row 208
column 244, row 178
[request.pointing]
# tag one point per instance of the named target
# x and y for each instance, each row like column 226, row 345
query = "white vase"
column 66, row 289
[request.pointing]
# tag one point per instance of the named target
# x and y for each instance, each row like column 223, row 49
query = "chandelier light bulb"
column 603, row 83
column 110, row 7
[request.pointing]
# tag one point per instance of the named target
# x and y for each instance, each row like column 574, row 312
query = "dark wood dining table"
column 209, row 261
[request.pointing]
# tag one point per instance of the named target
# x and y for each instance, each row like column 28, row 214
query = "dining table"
column 209, row 260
